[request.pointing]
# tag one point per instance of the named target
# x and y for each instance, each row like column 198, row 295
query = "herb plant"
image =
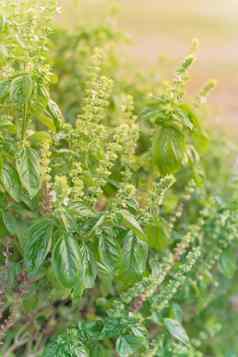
column 113, row 240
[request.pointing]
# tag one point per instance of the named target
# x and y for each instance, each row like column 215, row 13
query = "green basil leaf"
column 176, row 330
column 134, row 255
column 11, row 182
column 157, row 234
column 109, row 251
column 38, row 244
column 88, row 266
column 128, row 345
column 28, row 168
column 16, row 227
column 132, row 224
column 54, row 112
column 21, row 89
column 40, row 138
column 67, row 261
column 168, row 150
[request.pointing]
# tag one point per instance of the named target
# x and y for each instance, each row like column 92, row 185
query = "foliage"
column 114, row 238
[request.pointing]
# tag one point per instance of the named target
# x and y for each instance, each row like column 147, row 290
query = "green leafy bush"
column 115, row 239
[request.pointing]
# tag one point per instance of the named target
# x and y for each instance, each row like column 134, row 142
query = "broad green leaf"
column 134, row 255
column 38, row 244
column 54, row 112
column 133, row 224
column 68, row 219
column 157, row 234
column 10, row 222
column 43, row 98
column 185, row 119
column 28, row 167
column 67, row 261
column 21, row 89
column 40, row 138
column 96, row 225
column 88, row 269
column 11, row 182
column 106, row 274
column 109, row 251
column 46, row 121
column 176, row 330
column 128, row 345
column 190, row 114
column 16, row 227
column 78, row 289
column 168, row 150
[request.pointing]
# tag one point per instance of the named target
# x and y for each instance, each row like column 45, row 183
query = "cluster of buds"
column 162, row 300
column 47, row 196
column 186, row 197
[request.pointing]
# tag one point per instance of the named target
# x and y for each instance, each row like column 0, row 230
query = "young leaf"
column 28, row 167
column 168, row 150
column 67, row 261
column 134, row 255
column 128, row 345
column 21, row 89
column 176, row 330
column 109, row 251
column 54, row 112
column 133, row 224
column 88, row 266
column 38, row 244
column 11, row 182
column 10, row 222
column 40, row 138
column 157, row 234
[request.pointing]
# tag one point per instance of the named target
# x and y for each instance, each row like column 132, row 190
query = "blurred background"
column 162, row 30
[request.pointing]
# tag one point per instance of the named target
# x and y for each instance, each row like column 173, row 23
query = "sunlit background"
column 165, row 28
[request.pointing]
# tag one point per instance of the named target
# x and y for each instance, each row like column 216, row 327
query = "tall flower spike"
column 97, row 93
